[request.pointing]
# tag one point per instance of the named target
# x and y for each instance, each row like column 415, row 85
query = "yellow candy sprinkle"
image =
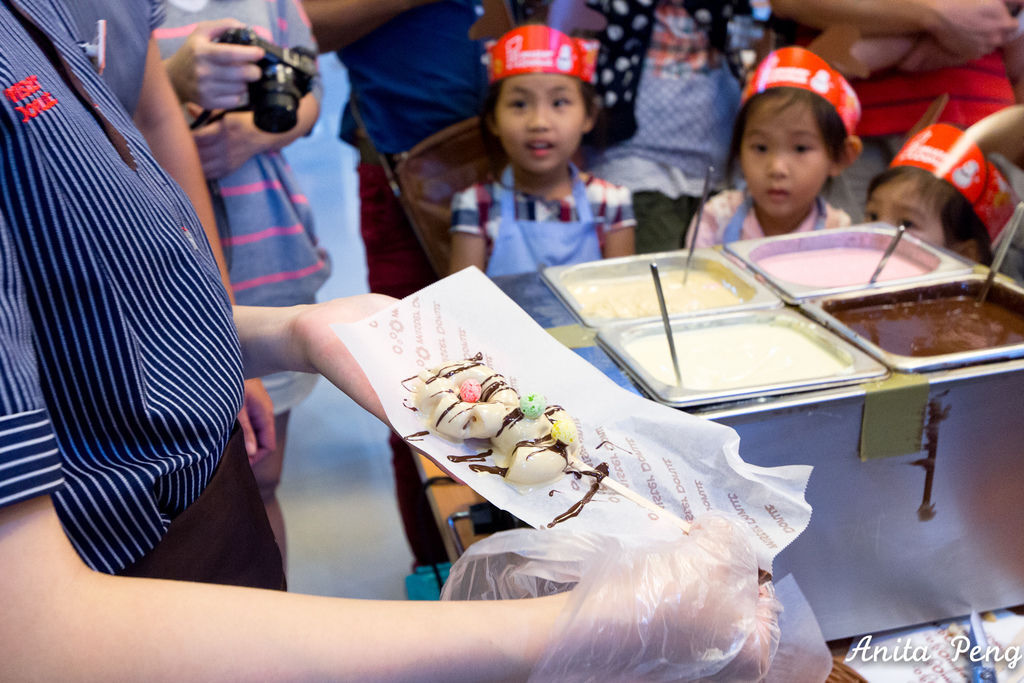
column 564, row 431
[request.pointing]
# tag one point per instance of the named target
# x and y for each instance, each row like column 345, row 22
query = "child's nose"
column 539, row 118
column 778, row 165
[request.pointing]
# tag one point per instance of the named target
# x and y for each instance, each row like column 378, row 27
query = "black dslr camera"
column 287, row 75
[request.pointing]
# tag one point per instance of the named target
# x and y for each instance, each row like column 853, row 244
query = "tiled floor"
column 344, row 533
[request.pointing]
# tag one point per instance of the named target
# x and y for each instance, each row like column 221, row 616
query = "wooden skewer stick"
column 631, row 495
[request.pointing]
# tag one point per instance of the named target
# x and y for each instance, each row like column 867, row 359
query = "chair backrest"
column 429, row 174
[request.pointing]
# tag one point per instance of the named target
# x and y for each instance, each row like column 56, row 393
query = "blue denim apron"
column 523, row 246
column 735, row 227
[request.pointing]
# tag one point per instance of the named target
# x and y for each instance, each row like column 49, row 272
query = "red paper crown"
column 795, row 67
column 945, row 152
column 535, row 49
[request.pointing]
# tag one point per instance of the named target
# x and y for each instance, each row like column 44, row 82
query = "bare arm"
column 1013, row 56
column 62, row 620
column 337, row 23
column 970, row 28
column 619, row 243
column 467, row 250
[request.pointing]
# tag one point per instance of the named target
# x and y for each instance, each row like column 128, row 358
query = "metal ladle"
column 1004, row 246
column 900, row 229
column 696, row 223
column 665, row 321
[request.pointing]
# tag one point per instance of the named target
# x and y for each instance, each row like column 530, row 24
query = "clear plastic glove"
column 640, row 610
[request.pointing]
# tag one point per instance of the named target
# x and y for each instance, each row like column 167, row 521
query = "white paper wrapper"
column 684, row 464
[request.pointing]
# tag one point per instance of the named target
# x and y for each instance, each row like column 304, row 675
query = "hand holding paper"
column 682, row 464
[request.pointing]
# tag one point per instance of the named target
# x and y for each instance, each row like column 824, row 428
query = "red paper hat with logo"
column 535, row 49
column 945, row 152
column 795, row 67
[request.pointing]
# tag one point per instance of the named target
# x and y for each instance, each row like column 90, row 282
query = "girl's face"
column 785, row 163
column 540, row 120
column 900, row 201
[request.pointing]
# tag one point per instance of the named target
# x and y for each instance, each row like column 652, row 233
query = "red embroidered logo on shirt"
column 26, row 88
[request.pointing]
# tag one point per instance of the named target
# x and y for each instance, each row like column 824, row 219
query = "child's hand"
column 211, row 74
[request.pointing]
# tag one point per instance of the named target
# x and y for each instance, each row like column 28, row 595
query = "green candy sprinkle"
column 532, row 405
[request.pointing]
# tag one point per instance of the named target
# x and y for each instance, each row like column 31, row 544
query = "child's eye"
column 871, row 216
column 562, row 102
column 516, row 104
column 758, row 147
column 803, row 149
column 909, row 225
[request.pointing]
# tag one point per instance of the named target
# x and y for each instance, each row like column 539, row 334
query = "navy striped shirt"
column 120, row 372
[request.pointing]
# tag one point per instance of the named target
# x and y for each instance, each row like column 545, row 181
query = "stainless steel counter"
column 895, row 541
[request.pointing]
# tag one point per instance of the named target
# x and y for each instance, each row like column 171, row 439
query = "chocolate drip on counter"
column 577, row 507
column 490, row 469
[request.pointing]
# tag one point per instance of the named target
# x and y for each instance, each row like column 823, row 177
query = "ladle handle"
column 1009, row 234
column 900, row 229
column 665, row 322
column 696, row 223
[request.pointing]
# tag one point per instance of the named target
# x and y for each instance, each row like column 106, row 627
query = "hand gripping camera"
column 287, row 75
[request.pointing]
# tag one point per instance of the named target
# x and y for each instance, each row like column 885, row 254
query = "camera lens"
column 275, row 99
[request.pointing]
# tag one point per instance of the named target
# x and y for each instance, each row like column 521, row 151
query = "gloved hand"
column 639, row 610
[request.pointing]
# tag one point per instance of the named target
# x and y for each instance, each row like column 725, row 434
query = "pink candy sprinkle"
column 469, row 391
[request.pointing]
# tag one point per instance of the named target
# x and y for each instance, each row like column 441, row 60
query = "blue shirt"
column 126, row 43
column 120, row 374
column 416, row 74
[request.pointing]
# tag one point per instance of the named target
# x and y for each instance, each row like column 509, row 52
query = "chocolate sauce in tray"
column 937, row 320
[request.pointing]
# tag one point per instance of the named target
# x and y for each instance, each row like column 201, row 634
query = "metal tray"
column 877, row 236
column 617, row 340
column 628, row 271
column 1003, row 293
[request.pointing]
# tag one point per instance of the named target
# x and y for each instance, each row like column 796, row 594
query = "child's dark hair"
column 492, row 144
column 833, row 131
column 959, row 221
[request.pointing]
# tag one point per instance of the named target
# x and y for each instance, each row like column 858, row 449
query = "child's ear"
column 591, row 111
column 491, row 124
column 968, row 249
column 852, row 147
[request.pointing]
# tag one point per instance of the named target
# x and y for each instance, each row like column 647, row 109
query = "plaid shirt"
column 477, row 211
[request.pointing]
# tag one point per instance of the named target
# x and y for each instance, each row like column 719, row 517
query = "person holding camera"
column 223, row 58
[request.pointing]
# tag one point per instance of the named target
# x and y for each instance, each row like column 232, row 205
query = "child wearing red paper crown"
column 794, row 132
column 941, row 187
column 543, row 211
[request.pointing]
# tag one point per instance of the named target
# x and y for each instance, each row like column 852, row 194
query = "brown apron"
column 223, row 536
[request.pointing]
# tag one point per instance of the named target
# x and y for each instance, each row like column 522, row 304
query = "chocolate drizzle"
column 453, row 369
column 514, row 415
column 490, row 469
column 476, row 457
column 543, row 444
column 418, row 436
column 577, row 507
